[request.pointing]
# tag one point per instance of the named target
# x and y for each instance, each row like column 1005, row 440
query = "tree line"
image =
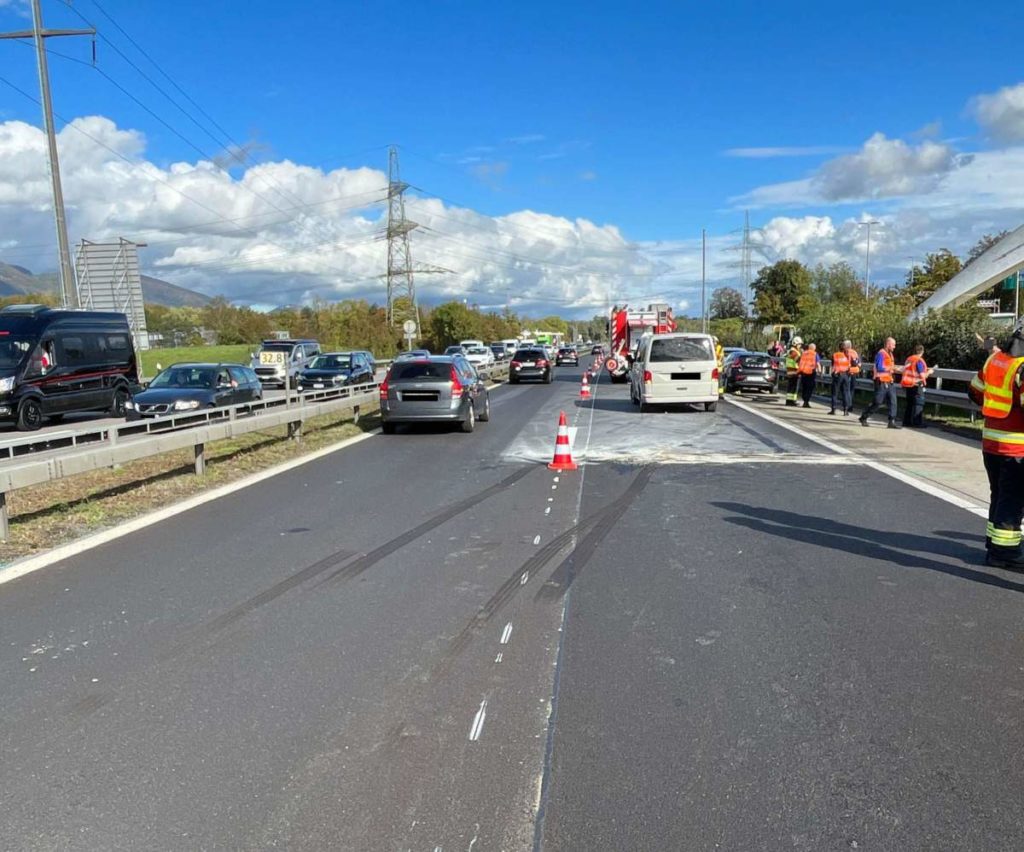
column 828, row 303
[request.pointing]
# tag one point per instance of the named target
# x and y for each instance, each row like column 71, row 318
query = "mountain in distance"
column 18, row 281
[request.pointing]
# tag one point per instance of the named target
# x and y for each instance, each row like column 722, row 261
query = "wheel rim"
column 33, row 414
column 119, row 400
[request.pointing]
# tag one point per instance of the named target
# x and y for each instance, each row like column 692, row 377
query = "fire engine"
column 627, row 325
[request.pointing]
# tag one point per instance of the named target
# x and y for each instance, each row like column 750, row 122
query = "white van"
column 671, row 369
column 471, row 344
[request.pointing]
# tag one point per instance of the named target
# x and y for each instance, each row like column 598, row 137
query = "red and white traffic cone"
column 563, row 453
column 585, row 388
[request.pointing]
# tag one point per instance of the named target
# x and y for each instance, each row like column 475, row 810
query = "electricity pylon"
column 750, row 247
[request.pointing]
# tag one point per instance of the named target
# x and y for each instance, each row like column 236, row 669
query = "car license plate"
column 318, row 385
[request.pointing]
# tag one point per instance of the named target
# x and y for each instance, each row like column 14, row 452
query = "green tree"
column 452, row 322
column 838, row 283
column 921, row 281
column 782, row 291
column 727, row 302
column 983, row 245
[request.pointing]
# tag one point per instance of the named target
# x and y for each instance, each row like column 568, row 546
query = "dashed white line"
column 505, row 634
column 555, row 479
column 499, row 658
column 551, row 499
column 547, row 510
column 536, row 539
column 524, row 578
column 478, row 722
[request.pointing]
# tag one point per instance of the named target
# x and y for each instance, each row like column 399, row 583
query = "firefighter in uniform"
column 998, row 389
column 793, row 370
column 807, row 367
column 914, row 381
column 885, row 393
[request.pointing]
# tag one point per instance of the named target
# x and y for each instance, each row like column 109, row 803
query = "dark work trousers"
column 885, row 394
column 1006, row 506
column 792, row 381
column 807, row 381
column 913, row 415
column 842, row 391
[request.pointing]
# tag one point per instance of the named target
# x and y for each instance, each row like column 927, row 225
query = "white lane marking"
column 555, row 479
column 536, row 539
column 499, row 658
column 554, row 487
column 551, row 499
column 505, row 634
column 572, row 435
column 547, row 510
column 524, row 578
column 881, row 467
column 75, row 548
column 478, row 723
column 476, row 834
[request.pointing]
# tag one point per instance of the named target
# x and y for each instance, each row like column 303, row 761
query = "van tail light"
column 456, row 385
column 648, row 378
column 714, row 374
column 384, row 389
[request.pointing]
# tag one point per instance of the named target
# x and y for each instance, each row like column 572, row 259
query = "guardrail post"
column 295, row 431
column 355, row 414
column 5, row 528
column 200, row 450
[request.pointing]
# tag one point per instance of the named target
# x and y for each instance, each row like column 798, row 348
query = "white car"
column 480, row 356
column 675, row 368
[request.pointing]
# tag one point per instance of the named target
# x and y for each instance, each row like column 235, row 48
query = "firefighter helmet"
column 797, row 341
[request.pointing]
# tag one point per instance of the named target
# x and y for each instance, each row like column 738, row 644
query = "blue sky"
column 621, row 115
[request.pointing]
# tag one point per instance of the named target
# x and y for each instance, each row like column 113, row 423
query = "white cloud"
column 282, row 232
column 1001, row 114
column 795, row 151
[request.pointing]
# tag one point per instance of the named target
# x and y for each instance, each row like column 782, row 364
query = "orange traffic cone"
column 563, row 453
column 585, row 388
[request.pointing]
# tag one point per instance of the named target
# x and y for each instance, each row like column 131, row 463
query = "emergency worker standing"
column 915, row 377
column 885, row 369
column 842, row 381
column 997, row 388
column 807, row 367
column 793, row 370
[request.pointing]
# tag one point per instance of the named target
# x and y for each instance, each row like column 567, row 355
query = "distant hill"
column 18, row 281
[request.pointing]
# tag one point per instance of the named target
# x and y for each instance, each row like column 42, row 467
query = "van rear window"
column 681, row 349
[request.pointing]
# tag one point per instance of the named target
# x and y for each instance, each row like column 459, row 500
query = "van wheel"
column 30, row 415
column 710, row 406
column 117, row 407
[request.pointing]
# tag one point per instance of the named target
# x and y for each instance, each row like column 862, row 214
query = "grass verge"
column 237, row 354
column 47, row 516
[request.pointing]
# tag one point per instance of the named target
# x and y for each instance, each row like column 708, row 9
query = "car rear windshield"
column 754, row 360
column 529, row 354
column 681, row 349
column 422, row 371
column 566, row 350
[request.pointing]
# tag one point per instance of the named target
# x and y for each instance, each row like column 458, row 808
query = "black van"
column 54, row 362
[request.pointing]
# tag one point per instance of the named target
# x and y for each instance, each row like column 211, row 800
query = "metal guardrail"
column 936, row 395
column 37, row 459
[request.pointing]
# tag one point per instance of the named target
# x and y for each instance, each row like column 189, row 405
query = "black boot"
column 892, row 424
column 863, row 420
column 807, row 405
column 833, row 412
column 1011, row 563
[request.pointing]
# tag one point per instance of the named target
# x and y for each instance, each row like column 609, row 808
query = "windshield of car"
column 13, row 350
column 185, row 377
column 277, row 347
column 453, row 350
column 566, row 350
column 330, row 362
column 681, row 349
column 421, row 371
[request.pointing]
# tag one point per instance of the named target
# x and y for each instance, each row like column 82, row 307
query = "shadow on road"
column 900, row 548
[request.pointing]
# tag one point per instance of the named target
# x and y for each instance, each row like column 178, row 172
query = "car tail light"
column 648, row 378
column 542, row 363
column 384, row 389
column 456, row 385
column 714, row 374
column 515, row 364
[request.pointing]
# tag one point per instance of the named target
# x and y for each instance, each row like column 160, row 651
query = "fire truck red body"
column 627, row 325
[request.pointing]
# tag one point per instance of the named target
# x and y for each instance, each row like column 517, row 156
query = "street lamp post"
column 867, row 255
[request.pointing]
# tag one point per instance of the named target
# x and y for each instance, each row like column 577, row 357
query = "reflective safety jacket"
column 997, row 388
column 884, row 366
column 912, row 376
column 792, row 361
column 808, row 363
column 854, row 362
column 840, row 362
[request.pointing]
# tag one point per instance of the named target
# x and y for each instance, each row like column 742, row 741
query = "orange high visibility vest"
column 808, row 362
column 888, row 366
column 999, row 372
column 911, row 378
column 840, row 362
column 854, row 363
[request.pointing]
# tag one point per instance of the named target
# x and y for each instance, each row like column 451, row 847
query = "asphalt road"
column 712, row 636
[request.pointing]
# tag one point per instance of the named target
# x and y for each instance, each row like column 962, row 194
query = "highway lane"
column 361, row 653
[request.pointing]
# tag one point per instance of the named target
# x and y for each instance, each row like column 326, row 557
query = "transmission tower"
column 402, row 303
column 751, row 248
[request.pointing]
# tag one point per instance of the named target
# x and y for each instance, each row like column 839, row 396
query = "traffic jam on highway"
column 634, row 611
